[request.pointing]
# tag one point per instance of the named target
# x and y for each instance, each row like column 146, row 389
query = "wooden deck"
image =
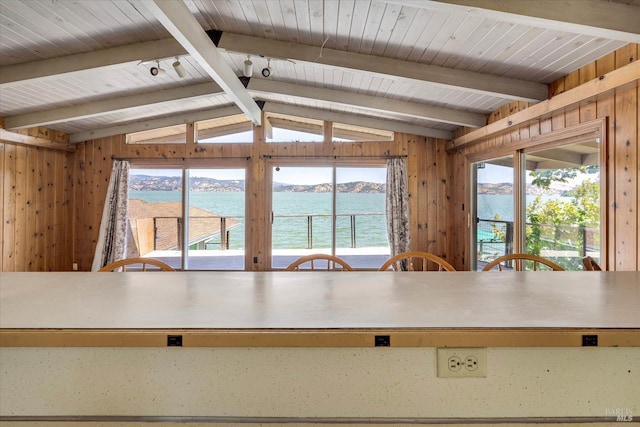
column 234, row 260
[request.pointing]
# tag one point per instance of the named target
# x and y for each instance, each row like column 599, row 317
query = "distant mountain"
column 349, row 187
column 503, row 188
column 495, row 189
column 171, row 183
column 174, row 183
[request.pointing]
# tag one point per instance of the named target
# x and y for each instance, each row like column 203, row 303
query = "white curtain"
column 398, row 207
column 112, row 240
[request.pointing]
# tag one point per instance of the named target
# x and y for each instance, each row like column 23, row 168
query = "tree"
column 558, row 224
column 544, row 178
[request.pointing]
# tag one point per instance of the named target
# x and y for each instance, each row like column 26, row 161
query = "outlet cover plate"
column 462, row 362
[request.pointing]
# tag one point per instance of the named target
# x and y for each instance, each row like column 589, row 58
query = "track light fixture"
column 156, row 70
column 179, row 69
column 266, row 72
column 248, row 67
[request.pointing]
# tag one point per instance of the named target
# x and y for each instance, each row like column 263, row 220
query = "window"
column 349, row 133
column 334, row 210
column 494, row 204
column 210, row 237
column 232, row 129
column 549, row 205
column 282, row 128
column 563, row 203
column 168, row 135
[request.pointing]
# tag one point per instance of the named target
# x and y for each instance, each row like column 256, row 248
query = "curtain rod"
column 179, row 159
column 276, row 156
column 271, row 156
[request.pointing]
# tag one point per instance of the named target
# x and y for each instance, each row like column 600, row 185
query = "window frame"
column 592, row 130
column 301, row 162
column 191, row 164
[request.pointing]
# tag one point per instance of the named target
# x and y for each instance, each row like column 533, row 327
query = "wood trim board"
column 323, row 338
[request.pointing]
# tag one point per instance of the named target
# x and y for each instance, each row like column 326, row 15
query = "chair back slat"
column 408, row 261
column 333, row 263
column 520, row 262
column 122, row 264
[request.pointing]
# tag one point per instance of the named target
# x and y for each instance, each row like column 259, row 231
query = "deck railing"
column 495, row 238
column 224, row 235
column 353, row 234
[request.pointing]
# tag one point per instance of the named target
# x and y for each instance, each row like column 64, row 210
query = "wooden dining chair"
column 521, row 261
column 121, row 265
column 590, row 264
column 313, row 261
column 408, row 259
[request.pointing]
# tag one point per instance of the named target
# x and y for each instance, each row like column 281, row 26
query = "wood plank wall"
column 623, row 111
column 36, row 196
column 426, row 160
column 52, row 200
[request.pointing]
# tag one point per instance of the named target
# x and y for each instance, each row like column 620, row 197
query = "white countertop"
column 319, row 300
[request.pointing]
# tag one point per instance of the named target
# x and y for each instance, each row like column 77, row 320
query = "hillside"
column 167, row 183
column 506, row 188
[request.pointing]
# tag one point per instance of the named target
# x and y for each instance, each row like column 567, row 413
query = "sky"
column 495, row 174
column 286, row 174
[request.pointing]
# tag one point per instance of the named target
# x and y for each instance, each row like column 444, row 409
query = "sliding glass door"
column 301, row 213
column 360, row 222
column 494, row 201
column 333, row 210
column 215, row 220
column 192, row 219
column 563, row 203
column 540, row 201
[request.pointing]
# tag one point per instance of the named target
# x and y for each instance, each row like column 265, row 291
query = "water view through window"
column 555, row 216
column 312, row 215
column 212, row 237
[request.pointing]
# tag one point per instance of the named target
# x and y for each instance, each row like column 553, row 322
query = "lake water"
column 291, row 210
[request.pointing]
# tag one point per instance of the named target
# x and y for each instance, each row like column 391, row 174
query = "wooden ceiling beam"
column 116, row 56
column 109, row 106
column 36, row 141
column 368, row 102
column 594, row 18
column 484, row 84
column 621, row 78
column 143, row 125
column 176, row 17
column 557, row 156
column 365, row 102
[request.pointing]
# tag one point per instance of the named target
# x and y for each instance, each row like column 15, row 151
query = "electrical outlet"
column 462, row 362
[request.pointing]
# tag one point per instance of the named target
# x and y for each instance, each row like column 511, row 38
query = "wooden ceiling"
column 422, row 67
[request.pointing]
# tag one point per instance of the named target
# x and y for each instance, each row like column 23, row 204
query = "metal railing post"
column 353, row 231
column 223, row 233
column 179, row 224
column 309, row 232
column 509, row 240
column 508, row 237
